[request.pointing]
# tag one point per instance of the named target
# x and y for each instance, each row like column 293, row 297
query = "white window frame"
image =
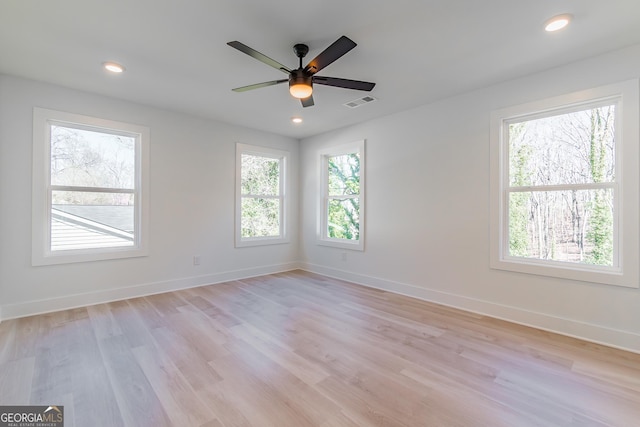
column 323, row 238
column 42, row 188
column 283, row 157
column 625, row 271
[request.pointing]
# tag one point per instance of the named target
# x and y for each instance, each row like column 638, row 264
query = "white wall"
column 192, row 172
column 427, row 230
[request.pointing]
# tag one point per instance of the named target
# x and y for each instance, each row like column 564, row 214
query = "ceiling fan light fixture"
column 300, row 90
column 300, row 85
column 558, row 22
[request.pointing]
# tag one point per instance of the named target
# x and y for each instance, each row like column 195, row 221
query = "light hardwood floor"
column 297, row 349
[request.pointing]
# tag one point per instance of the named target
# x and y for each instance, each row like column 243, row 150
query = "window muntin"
column 88, row 201
column 341, row 218
column 260, row 195
column 575, row 158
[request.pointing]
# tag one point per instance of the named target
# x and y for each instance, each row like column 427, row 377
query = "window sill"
column 579, row 272
column 357, row 245
column 261, row 241
column 87, row 255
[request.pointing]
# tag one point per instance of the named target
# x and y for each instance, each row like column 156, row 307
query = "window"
column 565, row 186
column 89, row 178
column 260, row 195
column 342, row 205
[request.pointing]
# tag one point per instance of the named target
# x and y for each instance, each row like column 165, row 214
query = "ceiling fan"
column 301, row 80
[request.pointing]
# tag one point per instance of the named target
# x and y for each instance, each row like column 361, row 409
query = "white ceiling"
column 417, row 51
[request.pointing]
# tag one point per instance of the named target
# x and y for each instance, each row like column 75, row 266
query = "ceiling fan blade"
column 307, row 102
column 260, row 57
column 343, row 83
column 259, row 85
column 341, row 46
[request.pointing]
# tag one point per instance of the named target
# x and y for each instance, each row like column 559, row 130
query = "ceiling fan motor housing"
column 299, row 77
column 300, row 83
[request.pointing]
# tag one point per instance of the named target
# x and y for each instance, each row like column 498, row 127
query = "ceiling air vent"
column 360, row 101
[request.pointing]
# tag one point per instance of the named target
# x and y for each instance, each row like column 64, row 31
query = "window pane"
column 260, row 217
column 260, row 175
column 85, row 158
column 344, row 174
column 571, row 148
column 82, row 220
column 572, row 226
column 344, row 219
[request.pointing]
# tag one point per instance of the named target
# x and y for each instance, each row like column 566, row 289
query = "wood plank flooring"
column 298, row 349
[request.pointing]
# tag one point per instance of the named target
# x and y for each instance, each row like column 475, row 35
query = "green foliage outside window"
column 518, row 202
column 344, row 202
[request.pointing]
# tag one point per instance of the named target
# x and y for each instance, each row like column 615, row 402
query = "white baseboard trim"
column 30, row 308
column 620, row 339
column 623, row 340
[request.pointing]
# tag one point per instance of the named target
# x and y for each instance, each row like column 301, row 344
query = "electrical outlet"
column 196, row 260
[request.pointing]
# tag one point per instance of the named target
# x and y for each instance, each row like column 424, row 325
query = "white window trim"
column 323, row 239
column 626, row 272
column 281, row 155
column 41, row 253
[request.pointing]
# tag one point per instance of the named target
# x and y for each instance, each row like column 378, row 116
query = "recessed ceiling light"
column 114, row 67
column 558, row 22
column 296, row 120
